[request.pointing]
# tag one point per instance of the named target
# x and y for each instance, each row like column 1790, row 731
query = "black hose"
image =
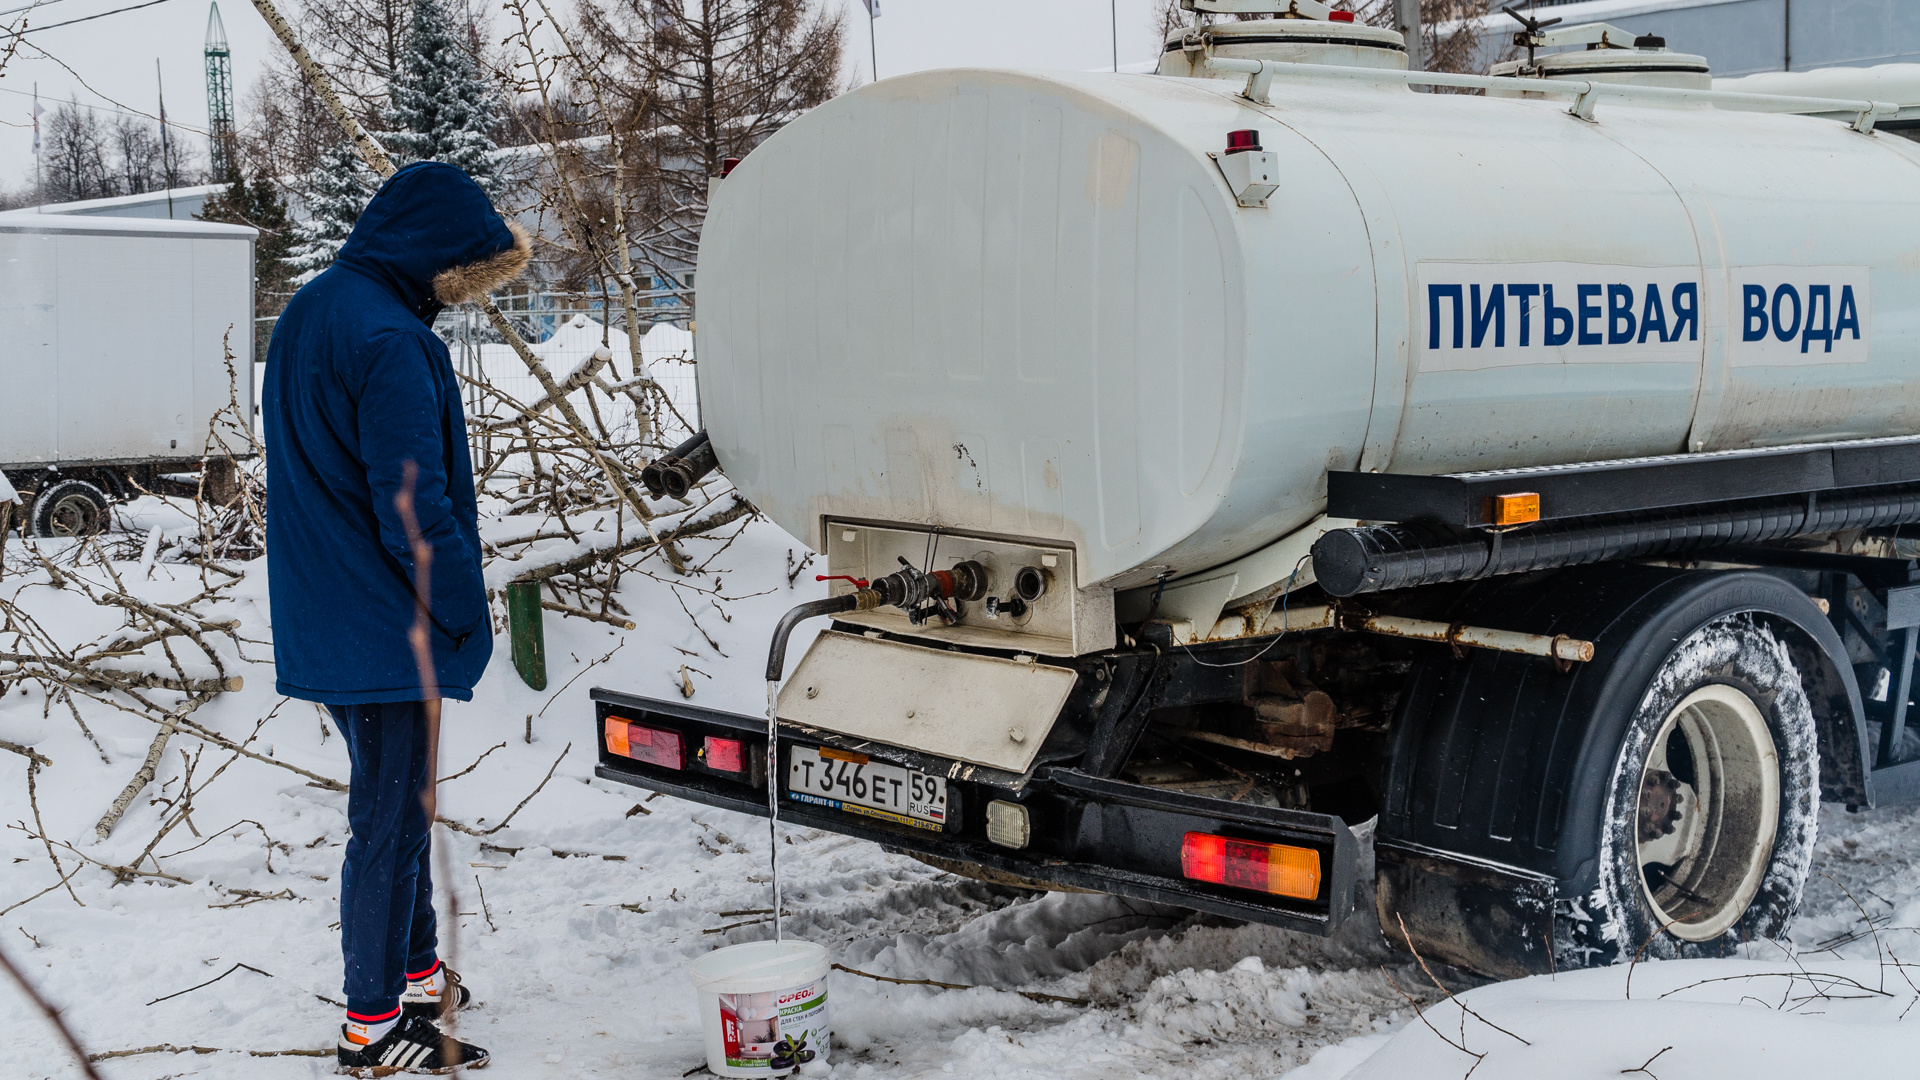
column 1348, row 562
column 777, row 652
column 653, row 476
column 679, row 476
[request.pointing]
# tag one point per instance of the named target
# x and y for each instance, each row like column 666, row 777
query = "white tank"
column 1898, row 84
column 1028, row 305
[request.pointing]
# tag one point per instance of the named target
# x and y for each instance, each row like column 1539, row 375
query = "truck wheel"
column 70, row 508
column 1709, row 825
column 1660, row 796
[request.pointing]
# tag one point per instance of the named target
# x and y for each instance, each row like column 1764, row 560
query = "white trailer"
column 112, row 364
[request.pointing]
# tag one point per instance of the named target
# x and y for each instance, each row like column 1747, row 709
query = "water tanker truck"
column 1242, row 475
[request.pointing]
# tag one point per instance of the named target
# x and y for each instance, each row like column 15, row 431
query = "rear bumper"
column 1087, row 832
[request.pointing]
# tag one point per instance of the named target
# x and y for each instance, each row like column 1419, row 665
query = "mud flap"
column 982, row 709
column 1471, row 913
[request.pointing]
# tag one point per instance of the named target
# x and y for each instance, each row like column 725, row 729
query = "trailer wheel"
column 70, row 508
column 1708, row 831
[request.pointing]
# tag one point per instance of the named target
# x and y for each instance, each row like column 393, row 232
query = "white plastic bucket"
column 763, row 1006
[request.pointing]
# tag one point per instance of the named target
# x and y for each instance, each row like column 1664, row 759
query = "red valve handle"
column 858, row 583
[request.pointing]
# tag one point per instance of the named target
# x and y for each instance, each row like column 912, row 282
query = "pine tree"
column 260, row 205
column 337, row 190
column 443, row 110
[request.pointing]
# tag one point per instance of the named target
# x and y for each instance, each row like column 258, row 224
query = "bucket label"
column 777, row 1031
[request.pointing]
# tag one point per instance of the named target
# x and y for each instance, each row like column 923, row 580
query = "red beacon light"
column 727, row 167
column 1339, row 16
column 1239, row 142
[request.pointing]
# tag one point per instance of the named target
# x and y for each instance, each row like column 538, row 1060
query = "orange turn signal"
column 1516, row 509
column 1279, row 869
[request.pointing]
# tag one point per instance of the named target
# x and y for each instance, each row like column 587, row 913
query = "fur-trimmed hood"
column 464, row 284
column 433, row 238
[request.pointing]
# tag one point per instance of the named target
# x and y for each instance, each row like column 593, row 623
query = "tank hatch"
column 1600, row 52
column 1299, row 32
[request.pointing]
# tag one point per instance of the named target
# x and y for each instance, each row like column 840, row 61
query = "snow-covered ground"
column 578, row 921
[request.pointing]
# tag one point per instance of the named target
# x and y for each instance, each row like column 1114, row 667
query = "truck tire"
column 1510, row 837
column 1712, row 807
column 70, row 508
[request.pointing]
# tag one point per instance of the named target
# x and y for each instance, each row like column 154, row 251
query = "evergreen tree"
column 337, row 190
column 260, row 205
column 443, row 110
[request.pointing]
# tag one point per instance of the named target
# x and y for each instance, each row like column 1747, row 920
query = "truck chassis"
column 1504, row 795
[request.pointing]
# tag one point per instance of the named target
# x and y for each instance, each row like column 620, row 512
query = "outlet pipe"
column 697, row 450
column 832, row 605
column 678, row 477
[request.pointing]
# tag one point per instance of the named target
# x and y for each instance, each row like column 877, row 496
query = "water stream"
column 773, row 796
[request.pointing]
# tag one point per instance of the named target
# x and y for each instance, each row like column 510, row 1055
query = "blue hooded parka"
column 358, row 389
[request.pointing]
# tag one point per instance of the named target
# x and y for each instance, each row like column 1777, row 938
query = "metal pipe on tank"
column 1553, row 646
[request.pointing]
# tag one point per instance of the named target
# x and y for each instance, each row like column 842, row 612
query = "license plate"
column 887, row 792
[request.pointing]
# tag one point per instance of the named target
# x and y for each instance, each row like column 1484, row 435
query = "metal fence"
column 565, row 338
column 564, row 329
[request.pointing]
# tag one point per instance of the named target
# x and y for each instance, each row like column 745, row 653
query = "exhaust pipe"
column 676, row 471
column 1348, row 562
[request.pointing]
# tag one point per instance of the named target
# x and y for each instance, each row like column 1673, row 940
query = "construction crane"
column 220, row 141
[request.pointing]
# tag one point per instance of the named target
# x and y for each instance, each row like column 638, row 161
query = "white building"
column 1741, row 37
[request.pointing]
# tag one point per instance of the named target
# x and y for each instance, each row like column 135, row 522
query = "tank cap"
column 1239, row 142
column 1649, row 41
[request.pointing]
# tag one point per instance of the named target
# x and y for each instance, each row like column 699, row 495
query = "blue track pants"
column 386, row 887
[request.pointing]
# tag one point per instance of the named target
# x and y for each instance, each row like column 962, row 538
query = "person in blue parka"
column 372, row 532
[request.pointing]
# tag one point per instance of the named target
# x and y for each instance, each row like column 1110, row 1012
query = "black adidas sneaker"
column 423, row 999
column 413, row 1046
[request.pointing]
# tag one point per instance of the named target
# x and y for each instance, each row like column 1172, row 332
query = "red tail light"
column 725, row 755
column 651, row 745
column 1279, row 869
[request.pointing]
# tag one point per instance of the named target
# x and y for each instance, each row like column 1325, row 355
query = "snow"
column 666, row 349
column 1701, row 1017
column 579, row 920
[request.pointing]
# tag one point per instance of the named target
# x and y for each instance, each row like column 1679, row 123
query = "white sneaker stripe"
column 392, row 1052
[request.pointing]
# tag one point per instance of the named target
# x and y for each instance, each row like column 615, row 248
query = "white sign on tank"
column 1793, row 315
column 1481, row 315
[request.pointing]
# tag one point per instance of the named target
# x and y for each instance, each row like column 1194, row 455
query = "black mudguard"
column 1496, row 784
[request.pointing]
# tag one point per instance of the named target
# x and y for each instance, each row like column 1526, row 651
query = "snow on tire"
column 1711, row 809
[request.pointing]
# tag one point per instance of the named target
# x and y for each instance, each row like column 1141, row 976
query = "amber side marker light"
column 1279, row 869
column 1516, row 509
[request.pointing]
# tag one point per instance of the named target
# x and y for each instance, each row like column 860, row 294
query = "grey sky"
column 114, row 56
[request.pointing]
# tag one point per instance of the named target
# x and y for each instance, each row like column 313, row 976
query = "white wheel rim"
column 75, row 515
column 1702, row 856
